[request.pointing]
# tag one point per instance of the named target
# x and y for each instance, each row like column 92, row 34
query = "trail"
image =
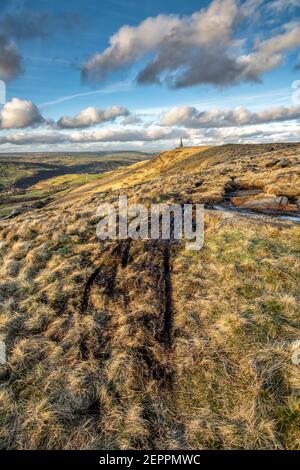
column 105, row 277
column 134, row 285
column 168, row 313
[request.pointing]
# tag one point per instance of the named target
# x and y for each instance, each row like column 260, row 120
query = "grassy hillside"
column 24, row 170
column 26, row 178
column 273, row 168
column 144, row 344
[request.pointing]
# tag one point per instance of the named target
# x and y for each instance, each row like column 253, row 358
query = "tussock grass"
column 237, row 314
column 84, row 322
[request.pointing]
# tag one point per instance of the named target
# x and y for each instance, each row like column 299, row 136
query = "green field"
column 25, row 178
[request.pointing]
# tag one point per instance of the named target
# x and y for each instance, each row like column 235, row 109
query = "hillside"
column 144, row 344
column 274, row 169
column 39, row 177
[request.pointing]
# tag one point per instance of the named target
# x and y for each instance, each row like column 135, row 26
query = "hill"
column 274, row 169
column 36, row 177
column 144, row 344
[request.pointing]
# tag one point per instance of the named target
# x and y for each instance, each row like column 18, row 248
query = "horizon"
column 150, row 152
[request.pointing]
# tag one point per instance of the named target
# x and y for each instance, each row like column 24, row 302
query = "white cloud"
column 191, row 117
column 196, row 49
column 19, row 114
column 91, row 116
column 250, row 134
column 269, row 54
column 131, row 120
column 154, row 134
column 130, row 44
column 154, row 138
column 128, row 135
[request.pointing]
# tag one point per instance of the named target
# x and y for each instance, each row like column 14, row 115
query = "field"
column 56, row 173
column 145, row 344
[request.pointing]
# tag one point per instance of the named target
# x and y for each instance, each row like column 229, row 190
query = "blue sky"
column 69, row 34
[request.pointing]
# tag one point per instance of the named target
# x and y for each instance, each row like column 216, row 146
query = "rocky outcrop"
column 264, row 202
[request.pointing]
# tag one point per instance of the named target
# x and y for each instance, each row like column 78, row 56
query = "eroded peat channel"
column 128, row 300
column 166, row 336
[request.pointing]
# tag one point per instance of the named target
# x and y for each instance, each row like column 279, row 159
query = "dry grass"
column 84, row 323
column 237, row 314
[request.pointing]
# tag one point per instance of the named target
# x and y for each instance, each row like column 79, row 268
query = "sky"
column 124, row 74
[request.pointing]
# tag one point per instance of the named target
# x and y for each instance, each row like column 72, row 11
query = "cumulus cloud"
column 128, row 135
column 158, row 137
column 91, row 116
column 191, row 117
column 196, row 49
column 130, row 44
column 178, row 40
column 251, row 134
column 269, row 54
column 29, row 138
column 19, row 114
column 131, row 120
column 104, row 135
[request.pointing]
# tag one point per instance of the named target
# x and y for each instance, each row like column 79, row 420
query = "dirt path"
column 131, row 293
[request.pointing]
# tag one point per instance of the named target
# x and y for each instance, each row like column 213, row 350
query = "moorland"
column 146, row 345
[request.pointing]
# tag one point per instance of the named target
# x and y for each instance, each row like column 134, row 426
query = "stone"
column 283, row 163
column 271, row 203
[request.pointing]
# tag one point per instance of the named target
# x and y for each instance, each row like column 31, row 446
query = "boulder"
column 272, row 163
column 264, row 203
column 283, row 163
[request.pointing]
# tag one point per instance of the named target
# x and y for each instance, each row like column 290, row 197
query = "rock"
column 273, row 163
column 271, row 203
column 283, row 163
